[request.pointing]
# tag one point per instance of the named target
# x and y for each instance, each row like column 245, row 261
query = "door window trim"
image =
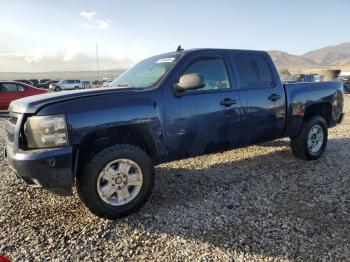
column 208, row 91
column 273, row 84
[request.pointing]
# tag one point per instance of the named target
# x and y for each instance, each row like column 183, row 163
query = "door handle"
column 228, row 102
column 274, row 97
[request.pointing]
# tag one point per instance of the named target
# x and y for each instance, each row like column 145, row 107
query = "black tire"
column 57, row 89
column 299, row 144
column 76, row 87
column 87, row 181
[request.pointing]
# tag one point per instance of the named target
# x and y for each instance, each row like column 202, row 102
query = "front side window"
column 9, row 87
column 253, row 71
column 213, row 71
column 146, row 73
column 70, row 81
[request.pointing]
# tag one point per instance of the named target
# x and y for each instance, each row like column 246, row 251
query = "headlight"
column 46, row 131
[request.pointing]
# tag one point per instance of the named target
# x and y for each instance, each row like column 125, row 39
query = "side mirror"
column 190, row 82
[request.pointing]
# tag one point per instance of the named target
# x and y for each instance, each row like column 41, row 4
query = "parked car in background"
column 346, row 83
column 42, row 81
column 86, row 84
column 169, row 107
column 96, row 83
column 289, row 78
column 35, row 82
column 302, row 78
column 107, row 83
column 28, row 82
column 66, row 85
column 10, row 90
column 318, row 78
column 347, row 87
column 306, row 78
column 48, row 83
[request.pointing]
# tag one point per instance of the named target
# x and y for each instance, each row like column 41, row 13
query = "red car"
column 10, row 90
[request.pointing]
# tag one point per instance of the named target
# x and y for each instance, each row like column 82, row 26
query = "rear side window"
column 77, row 81
column 7, row 87
column 253, row 71
column 20, row 88
column 213, row 71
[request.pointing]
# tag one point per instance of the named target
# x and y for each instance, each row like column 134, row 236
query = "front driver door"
column 204, row 120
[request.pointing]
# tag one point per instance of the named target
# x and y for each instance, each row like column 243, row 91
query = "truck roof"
column 204, row 50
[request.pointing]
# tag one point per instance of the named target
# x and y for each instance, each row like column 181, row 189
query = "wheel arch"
column 319, row 109
column 139, row 135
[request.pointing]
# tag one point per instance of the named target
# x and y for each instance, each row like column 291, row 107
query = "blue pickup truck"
column 171, row 106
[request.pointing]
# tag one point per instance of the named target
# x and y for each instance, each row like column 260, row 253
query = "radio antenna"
column 97, row 65
column 179, row 49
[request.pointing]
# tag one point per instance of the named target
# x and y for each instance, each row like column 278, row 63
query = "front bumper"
column 51, row 169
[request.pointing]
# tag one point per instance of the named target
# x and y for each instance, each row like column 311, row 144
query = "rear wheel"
column 117, row 181
column 312, row 140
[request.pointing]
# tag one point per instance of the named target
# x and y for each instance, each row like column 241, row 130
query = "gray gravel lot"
column 255, row 203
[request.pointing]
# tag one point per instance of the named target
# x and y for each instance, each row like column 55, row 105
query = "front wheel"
column 57, row 89
column 312, row 140
column 116, row 181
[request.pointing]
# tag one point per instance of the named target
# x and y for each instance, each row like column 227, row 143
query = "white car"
column 67, row 85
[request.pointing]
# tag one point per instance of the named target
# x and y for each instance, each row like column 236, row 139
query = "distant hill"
column 335, row 57
column 59, row 75
column 330, row 56
column 283, row 59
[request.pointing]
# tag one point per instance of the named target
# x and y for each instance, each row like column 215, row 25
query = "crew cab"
column 10, row 90
column 168, row 107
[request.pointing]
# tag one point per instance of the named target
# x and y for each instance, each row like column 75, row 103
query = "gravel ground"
column 255, row 203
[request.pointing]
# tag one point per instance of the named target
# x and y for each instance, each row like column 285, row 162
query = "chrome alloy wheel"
column 119, row 182
column 315, row 139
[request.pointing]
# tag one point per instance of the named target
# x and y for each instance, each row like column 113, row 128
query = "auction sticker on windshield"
column 165, row 60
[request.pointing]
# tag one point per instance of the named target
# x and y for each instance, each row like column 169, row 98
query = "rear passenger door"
column 71, row 84
column 262, row 97
column 78, row 83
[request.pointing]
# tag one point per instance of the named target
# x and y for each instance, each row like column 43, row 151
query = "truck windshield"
column 146, row 73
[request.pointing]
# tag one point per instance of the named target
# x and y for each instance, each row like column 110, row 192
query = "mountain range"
column 331, row 56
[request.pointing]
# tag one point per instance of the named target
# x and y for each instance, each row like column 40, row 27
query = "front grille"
column 11, row 127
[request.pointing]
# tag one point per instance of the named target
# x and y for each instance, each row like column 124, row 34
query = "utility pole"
column 97, row 69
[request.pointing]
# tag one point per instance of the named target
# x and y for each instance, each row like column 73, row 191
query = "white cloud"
column 30, row 58
column 103, row 24
column 87, row 26
column 69, row 60
column 87, row 15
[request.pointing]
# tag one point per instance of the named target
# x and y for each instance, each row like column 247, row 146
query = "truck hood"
column 32, row 104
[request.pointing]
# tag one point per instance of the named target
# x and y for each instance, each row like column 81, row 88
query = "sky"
column 48, row 35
